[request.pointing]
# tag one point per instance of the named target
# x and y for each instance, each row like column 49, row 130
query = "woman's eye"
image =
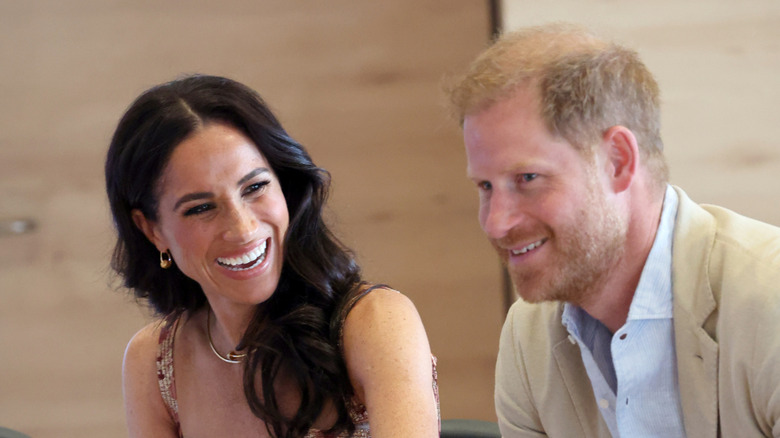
column 255, row 187
column 527, row 177
column 198, row 209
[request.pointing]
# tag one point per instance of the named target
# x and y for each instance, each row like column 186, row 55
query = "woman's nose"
column 242, row 225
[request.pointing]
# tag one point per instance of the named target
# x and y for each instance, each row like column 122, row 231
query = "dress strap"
column 165, row 368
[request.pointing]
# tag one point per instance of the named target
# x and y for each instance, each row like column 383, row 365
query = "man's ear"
column 149, row 229
column 621, row 152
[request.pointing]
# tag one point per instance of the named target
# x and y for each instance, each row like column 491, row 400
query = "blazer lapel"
column 575, row 378
column 695, row 317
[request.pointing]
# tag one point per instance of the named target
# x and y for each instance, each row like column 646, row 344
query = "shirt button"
column 571, row 339
column 603, row 403
column 623, row 336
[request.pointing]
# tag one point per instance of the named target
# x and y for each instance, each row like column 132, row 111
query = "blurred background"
column 358, row 83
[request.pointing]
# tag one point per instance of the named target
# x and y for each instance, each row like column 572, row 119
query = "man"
column 642, row 313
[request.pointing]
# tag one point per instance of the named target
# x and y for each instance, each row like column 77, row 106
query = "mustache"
column 515, row 238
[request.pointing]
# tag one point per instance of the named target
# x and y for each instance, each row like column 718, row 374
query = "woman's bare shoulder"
column 139, row 368
column 384, row 326
column 145, row 410
column 389, row 362
column 378, row 301
column 144, row 344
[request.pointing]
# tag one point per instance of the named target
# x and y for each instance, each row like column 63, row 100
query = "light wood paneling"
column 357, row 82
column 717, row 64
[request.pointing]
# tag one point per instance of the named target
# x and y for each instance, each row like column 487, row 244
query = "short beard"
column 587, row 252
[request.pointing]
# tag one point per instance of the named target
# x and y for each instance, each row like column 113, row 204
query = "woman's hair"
column 585, row 86
column 294, row 333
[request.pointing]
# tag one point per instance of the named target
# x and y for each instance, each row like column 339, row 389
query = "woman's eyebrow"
column 253, row 174
column 205, row 195
column 191, row 197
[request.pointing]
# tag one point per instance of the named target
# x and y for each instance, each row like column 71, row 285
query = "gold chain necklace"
column 232, row 356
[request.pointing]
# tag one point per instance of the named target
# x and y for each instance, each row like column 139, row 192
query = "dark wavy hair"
column 296, row 331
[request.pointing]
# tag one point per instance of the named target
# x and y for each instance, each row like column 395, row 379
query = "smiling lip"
column 247, row 261
column 527, row 248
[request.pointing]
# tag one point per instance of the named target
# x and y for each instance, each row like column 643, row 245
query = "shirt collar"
column 653, row 296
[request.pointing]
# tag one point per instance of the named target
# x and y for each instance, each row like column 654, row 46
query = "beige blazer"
column 726, row 288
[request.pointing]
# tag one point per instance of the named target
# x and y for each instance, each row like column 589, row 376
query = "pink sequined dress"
column 165, row 375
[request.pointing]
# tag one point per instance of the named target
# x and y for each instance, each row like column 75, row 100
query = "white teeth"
column 257, row 255
column 527, row 248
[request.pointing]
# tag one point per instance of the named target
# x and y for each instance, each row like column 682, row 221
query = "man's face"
column 543, row 204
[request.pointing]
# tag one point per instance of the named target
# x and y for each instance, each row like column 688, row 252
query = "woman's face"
column 222, row 216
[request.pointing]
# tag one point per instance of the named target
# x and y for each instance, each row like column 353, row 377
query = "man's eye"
column 198, row 209
column 485, row 185
column 527, row 177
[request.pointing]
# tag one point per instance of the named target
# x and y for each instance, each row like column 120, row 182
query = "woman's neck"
column 228, row 324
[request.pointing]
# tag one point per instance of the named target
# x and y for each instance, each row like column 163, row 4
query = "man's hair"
column 585, row 86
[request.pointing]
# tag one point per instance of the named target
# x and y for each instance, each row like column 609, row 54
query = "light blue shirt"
column 634, row 372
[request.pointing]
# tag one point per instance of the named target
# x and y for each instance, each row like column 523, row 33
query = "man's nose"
column 501, row 213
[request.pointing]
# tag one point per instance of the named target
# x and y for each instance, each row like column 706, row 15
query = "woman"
column 264, row 316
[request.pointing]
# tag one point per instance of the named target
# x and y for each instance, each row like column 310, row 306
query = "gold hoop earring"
column 165, row 259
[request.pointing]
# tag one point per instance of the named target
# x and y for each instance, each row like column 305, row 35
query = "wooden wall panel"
column 717, row 64
column 357, row 82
